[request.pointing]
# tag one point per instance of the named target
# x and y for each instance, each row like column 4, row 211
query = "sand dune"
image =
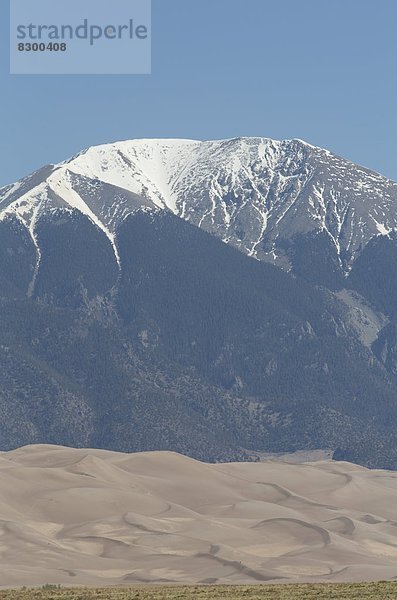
column 95, row 517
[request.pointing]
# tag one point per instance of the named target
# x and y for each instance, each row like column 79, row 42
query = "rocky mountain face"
column 127, row 323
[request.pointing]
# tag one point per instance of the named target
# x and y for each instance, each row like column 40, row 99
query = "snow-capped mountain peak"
column 258, row 194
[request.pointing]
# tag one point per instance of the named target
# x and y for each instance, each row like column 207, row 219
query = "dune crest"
column 78, row 516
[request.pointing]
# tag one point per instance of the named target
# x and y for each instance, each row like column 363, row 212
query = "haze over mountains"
column 90, row 517
column 220, row 299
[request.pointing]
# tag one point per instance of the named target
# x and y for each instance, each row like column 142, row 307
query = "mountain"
column 126, row 322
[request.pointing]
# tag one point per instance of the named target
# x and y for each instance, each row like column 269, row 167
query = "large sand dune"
column 95, row 517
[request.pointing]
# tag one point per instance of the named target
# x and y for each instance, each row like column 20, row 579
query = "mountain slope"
column 193, row 346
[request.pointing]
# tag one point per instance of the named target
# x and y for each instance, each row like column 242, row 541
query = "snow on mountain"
column 257, row 194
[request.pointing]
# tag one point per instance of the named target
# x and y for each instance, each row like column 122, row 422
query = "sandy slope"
column 95, row 517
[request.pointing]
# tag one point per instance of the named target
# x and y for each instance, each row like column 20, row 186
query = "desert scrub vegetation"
column 384, row 590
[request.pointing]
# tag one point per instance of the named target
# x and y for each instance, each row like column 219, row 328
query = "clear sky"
column 321, row 70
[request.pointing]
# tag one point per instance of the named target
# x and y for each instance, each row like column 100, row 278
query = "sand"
column 92, row 517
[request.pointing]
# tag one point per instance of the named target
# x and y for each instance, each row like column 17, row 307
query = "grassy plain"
column 386, row 590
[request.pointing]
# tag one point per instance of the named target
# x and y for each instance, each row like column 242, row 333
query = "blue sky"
column 321, row 70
